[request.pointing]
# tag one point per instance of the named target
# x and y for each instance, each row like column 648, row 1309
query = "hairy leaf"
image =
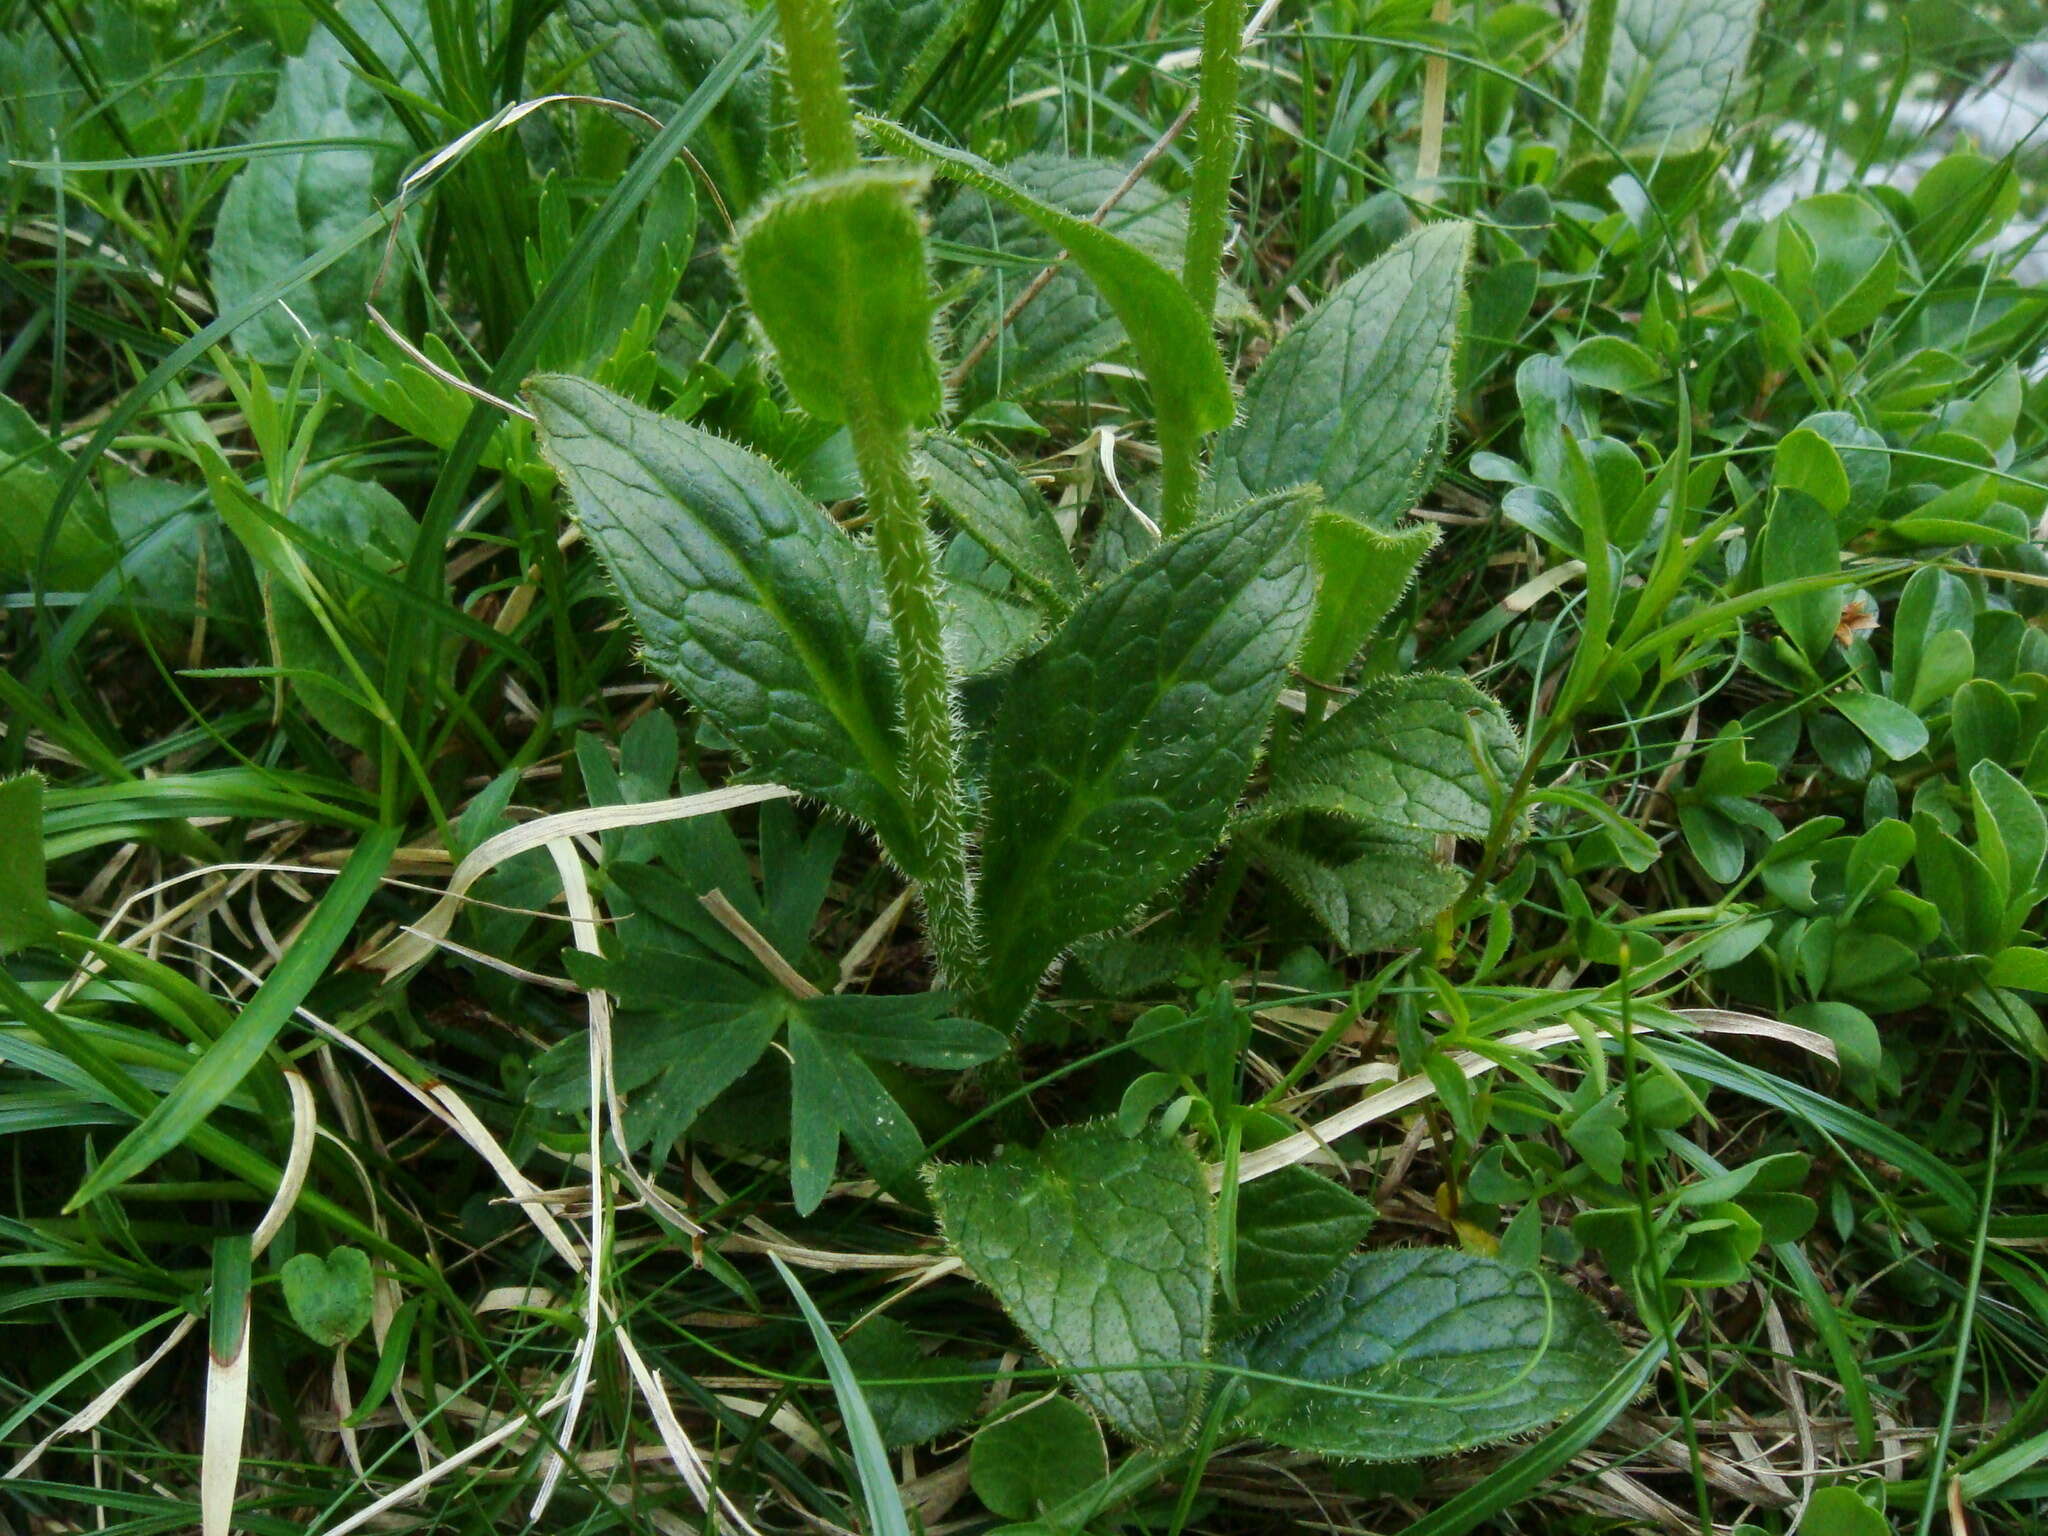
column 652, row 54
column 1457, row 1351
column 746, row 596
column 1122, row 743
column 1072, row 323
column 1102, row 1249
column 835, row 272
column 1674, row 66
column 1351, row 820
column 1004, row 513
column 329, row 1299
column 1294, row 1228
column 1354, row 399
column 1171, row 336
column 1360, row 576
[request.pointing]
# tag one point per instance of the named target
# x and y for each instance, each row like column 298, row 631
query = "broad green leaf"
column 2012, row 833
column 1103, row 1250
column 1352, row 818
column 1422, row 753
column 24, row 897
column 1171, row 336
column 746, row 595
column 32, row 468
column 1360, row 576
column 2020, row 967
column 1354, row 398
column 983, row 630
column 652, row 54
column 1613, row 363
column 373, row 526
column 835, row 272
column 1034, row 1460
column 1675, row 65
column 329, row 1299
column 1455, row 1351
column 1842, row 1512
column 281, row 209
column 1960, row 201
column 1294, row 1228
column 1122, row 743
column 1799, row 540
column 1970, row 898
column 1806, row 461
column 1892, row 728
column 945, row 1394
column 990, row 251
column 984, row 495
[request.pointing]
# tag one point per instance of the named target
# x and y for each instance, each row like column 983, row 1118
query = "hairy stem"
column 1180, row 478
column 1590, row 94
column 931, row 774
column 824, row 116
column 1216, row 138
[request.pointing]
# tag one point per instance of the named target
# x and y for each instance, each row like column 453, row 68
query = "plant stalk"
column 1216, row 144
column 931, row 768
column 910, row 578
column 824, row 115
column 1590, row 94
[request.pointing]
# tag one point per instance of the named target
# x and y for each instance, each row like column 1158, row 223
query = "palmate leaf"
column 1122, row 743
column 746, row 595
column 1103, row 1250
column 1351, row 820
column 1455, row 1351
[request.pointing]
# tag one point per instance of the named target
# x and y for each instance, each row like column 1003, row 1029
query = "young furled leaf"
column 835, row 272
column 746, row 595
column 1103, row 1250
column 1122, row 743
column 1360, row 576
column 1433, row 1351
column 1352, row 816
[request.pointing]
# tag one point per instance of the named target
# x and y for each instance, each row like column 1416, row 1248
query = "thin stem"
column 824, row 116
column 1590, row 94
column 1216, row 142
column 931, row 774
